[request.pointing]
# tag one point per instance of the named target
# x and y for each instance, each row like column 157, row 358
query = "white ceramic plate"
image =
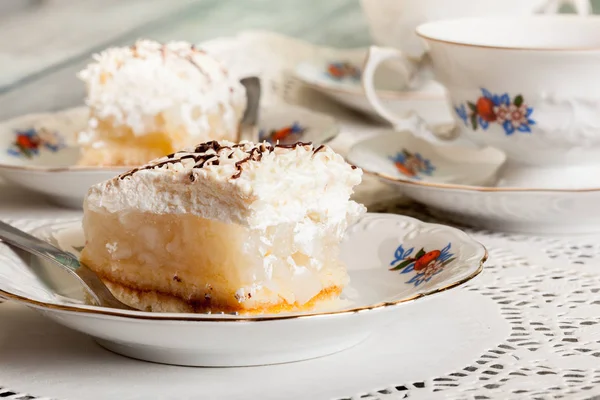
column 428, row 101
column 457, row 188
column 392, row 261
column 39, row 151
column 402, row 156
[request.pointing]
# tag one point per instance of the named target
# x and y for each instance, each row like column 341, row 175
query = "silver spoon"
column 249, row 123
column 93, row 285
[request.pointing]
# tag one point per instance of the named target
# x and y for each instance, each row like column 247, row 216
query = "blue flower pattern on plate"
column 412, row 164
column 424, row 264
column 27, row 143
column 285, row 135
column 340, row 70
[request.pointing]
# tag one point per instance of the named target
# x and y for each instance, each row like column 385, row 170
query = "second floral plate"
column 458, row 184
column 39, row 151
column 340, row 79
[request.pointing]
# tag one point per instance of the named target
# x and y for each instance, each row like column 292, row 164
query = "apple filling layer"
column 203, row 264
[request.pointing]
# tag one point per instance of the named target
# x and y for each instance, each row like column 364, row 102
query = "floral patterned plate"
column 402, row 156
column 340, row 79
column 392, row 261
column 39, row 151
column 463, row 185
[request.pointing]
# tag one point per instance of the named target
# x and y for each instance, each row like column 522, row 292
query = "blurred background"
column 43, row 43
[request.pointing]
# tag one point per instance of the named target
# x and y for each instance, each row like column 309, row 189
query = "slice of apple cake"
column 224, row 227
column 152, row 99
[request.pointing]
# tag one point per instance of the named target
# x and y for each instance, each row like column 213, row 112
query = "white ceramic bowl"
column 392, row 261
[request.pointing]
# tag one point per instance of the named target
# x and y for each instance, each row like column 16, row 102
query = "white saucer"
column 51, row 169
column 428, row 101
column 392, row 261
column 461, row 187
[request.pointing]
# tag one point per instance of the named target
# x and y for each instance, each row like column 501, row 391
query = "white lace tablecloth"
column 527, row 328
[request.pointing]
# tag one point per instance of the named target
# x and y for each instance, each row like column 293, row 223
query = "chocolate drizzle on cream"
column 207, row 154
column 318, row 149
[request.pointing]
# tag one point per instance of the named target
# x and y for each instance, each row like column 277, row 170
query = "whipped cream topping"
column 132, row 86
column 253, row 185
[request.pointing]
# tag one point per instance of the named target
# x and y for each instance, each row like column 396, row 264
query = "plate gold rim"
column 141, row 315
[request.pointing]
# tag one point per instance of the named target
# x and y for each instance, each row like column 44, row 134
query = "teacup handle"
column 412, row 122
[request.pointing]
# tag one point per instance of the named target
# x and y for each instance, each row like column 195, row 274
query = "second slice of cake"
column 224, row 227
column 151, row 99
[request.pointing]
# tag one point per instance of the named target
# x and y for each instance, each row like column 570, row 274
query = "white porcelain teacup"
column 529, row 86
column 392, row 23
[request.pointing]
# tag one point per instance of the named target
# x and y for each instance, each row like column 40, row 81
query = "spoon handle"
column 91, row 282
column 27, row 242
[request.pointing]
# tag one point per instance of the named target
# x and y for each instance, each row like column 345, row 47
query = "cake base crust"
column 154, row 301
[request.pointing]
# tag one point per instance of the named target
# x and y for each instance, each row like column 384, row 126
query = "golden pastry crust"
column 154, row 301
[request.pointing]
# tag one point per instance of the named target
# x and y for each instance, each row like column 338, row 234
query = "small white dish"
column 461, row 188
column 428, row 100
column 400, row 155
column 392, row 261
column 39, row 151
